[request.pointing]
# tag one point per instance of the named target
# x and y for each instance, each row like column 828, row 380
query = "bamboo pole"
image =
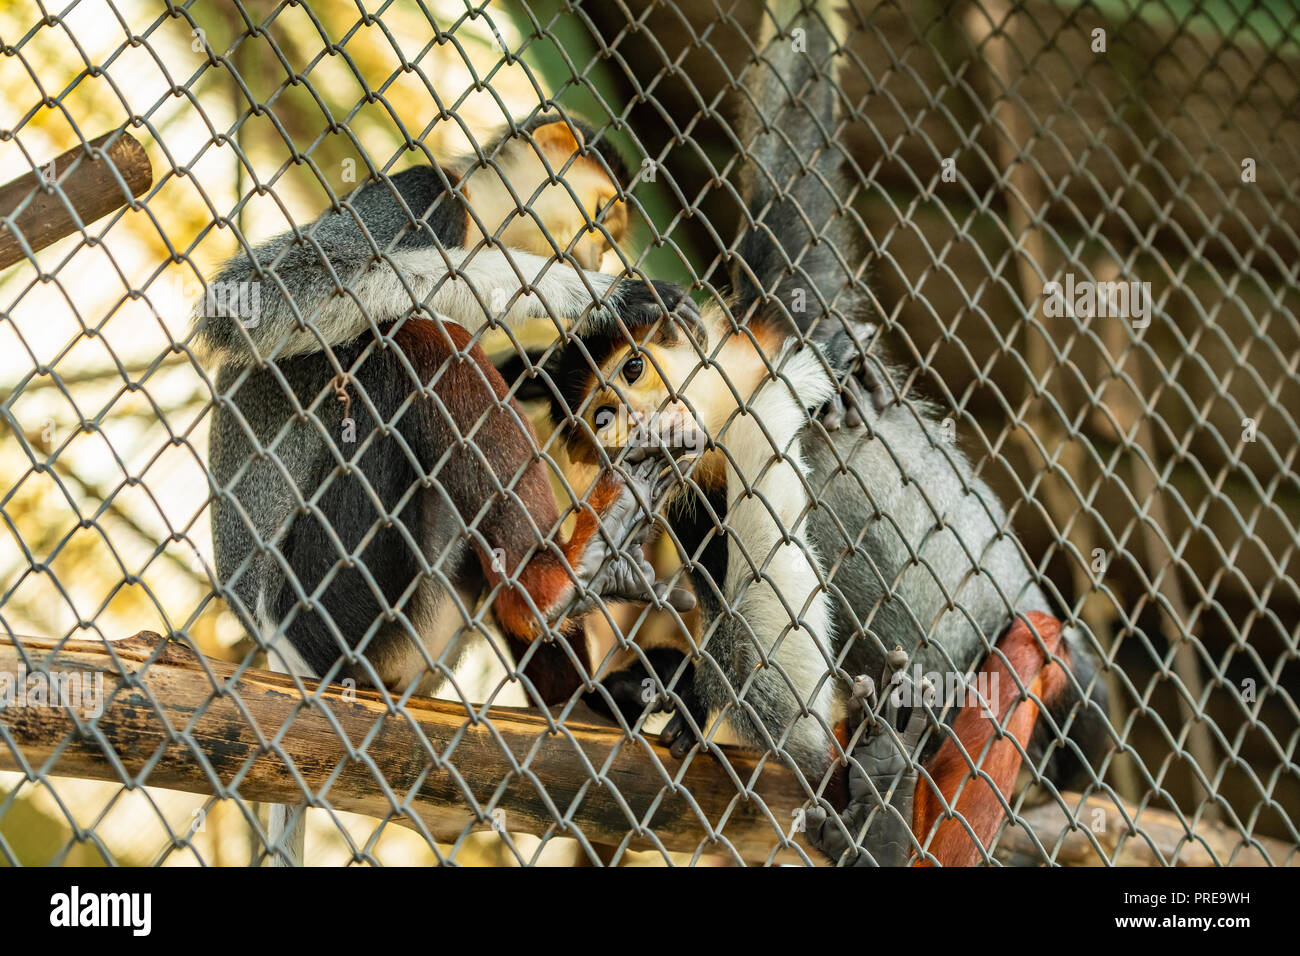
column 425, row 767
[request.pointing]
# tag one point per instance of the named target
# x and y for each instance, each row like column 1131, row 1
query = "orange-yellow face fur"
column 582, row 195
column 666, row 388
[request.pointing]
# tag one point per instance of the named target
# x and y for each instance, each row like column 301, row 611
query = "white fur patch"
column 486, row 285
column 281, row 656
column 767, row 502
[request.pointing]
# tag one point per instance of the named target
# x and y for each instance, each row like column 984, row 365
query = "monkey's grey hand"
column 670, row 433
column 615, row 565
column 844, row 408
column 865, row 387
column 876, row 804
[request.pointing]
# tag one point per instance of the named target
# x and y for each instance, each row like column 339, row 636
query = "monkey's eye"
column 632, row 369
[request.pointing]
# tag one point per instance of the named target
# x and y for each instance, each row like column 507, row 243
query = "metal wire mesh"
column 995, row 151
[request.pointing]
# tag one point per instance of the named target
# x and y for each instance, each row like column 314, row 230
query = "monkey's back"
column 279, row 474
column 925, row 559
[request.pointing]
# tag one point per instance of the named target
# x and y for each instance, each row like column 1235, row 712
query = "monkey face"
column 677, row 391
column 540, row 194
column 640, row 407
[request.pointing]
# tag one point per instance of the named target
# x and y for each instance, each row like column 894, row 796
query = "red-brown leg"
column 997, row 759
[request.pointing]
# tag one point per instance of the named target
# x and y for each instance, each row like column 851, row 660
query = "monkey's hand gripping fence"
column 1146, row 460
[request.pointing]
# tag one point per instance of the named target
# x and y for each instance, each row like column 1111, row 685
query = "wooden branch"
column 431, row 756
column 1157, row 838
column 91, row 190
column 169, row 724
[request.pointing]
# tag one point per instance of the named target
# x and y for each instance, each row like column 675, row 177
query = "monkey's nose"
column 678, row 431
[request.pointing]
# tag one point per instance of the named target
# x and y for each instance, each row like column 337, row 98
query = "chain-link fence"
column 352, row 547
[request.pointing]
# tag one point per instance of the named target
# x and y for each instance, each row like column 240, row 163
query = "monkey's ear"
column 557, row 140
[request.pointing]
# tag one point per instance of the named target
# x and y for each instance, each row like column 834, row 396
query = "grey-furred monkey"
column 811, row 552
column 355, row 538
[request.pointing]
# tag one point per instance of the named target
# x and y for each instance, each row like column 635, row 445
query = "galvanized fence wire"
column 994, row 152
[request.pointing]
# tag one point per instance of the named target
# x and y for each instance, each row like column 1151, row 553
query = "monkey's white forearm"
column 509, row 286
column 303, row 309
column 786, row 609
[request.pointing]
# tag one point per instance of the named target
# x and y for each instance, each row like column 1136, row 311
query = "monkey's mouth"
column 672, row 432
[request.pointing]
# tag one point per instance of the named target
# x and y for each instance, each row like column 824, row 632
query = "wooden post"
column 65, row 201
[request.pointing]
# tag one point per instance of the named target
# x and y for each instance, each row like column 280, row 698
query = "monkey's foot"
column 882, row 776
column 682, row 732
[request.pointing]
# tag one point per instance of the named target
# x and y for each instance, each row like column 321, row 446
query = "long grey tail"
column 801, row 250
